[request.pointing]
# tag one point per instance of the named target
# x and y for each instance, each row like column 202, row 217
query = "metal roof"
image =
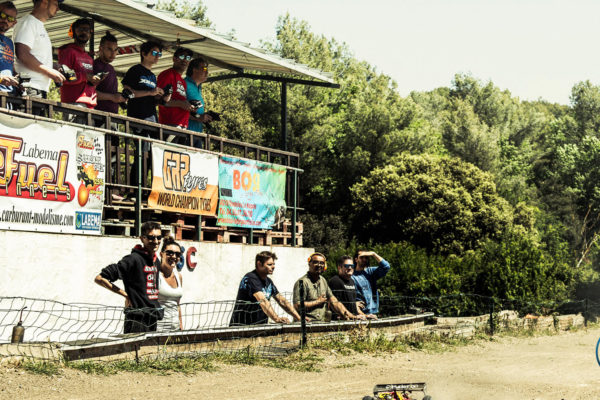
column 132, row 22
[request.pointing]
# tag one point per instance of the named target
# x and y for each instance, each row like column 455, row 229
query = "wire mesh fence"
column 50, row 330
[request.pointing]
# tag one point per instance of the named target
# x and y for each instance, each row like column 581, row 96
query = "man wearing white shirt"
column 34, row 49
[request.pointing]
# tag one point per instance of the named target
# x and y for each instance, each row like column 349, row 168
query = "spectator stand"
column 122, row 217
column 228, row 59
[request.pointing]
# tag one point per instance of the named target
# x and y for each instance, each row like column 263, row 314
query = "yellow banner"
column 184, row 181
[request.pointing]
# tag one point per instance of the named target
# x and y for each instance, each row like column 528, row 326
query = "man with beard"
column 317, row 293
column 107, row 90
column 82, row 90
column 8, row 19
column 34, row 49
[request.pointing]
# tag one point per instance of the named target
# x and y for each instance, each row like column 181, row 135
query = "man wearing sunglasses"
column 138, row 271
column 196, row 75
column 176, row 111
column 8, row 19
column 344, row 289
column 34, row 49
column 142, row 82
column 82, row 90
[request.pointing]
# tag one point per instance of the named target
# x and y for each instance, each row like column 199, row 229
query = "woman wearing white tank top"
column 170, row 287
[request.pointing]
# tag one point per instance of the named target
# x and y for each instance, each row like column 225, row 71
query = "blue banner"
column 251, row 193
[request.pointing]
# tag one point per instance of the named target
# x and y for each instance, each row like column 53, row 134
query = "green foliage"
column 438, row 203
column 517, row 269
column 324, row 233
column 48, row 368
column 186, row 9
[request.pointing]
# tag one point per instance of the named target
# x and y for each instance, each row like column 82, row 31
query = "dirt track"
column 546, row 367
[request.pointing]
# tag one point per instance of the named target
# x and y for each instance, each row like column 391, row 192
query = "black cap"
column 81, row 21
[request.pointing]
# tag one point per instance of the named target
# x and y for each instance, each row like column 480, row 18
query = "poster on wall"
column 51, row 177
column 252, row 193
column 184, row 181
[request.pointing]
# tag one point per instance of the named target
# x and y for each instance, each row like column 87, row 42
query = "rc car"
column 398, row 391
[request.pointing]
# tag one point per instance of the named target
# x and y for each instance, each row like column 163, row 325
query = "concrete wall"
column 62, row 267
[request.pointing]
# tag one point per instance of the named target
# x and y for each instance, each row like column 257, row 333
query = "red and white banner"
column 51, row 177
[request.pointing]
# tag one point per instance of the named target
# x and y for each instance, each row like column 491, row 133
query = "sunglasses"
column 7, row 17
column 171, row 253
column 156, row 53
column 203, row 68
column 348, row 266
column 184, row 57
column 153, row 238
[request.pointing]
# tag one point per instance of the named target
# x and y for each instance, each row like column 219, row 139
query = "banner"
column 184, row 181
column 252, row 193
column 51, row 177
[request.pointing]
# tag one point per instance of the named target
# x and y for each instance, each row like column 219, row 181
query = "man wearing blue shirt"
column 8, row 19
column 196, row 74
column 366, row 278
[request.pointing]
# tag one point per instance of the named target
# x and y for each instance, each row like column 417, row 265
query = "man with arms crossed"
column 366, row 278
column 317, row 293
column 252, row 304
column 139, row 272
column 34, row 49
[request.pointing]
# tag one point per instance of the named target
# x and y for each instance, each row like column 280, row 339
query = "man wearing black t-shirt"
column 343, row 287
column 252, row 304
column 141, row 81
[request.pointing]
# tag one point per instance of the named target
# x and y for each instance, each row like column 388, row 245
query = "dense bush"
column 515, row 268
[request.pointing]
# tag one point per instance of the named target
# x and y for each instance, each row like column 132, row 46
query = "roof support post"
column 92, row 41
column 284, row 116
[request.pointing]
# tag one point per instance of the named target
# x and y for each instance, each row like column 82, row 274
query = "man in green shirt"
column 317, row 294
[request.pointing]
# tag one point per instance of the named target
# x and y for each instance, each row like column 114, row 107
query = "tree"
column 187, row 9
column 439, row 203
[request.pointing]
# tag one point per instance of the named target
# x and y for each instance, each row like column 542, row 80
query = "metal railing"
column 127, row 145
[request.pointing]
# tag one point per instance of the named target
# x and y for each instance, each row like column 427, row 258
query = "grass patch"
column 377, row 344
column 185, row 365
column 47, row 368
column 305, row 361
